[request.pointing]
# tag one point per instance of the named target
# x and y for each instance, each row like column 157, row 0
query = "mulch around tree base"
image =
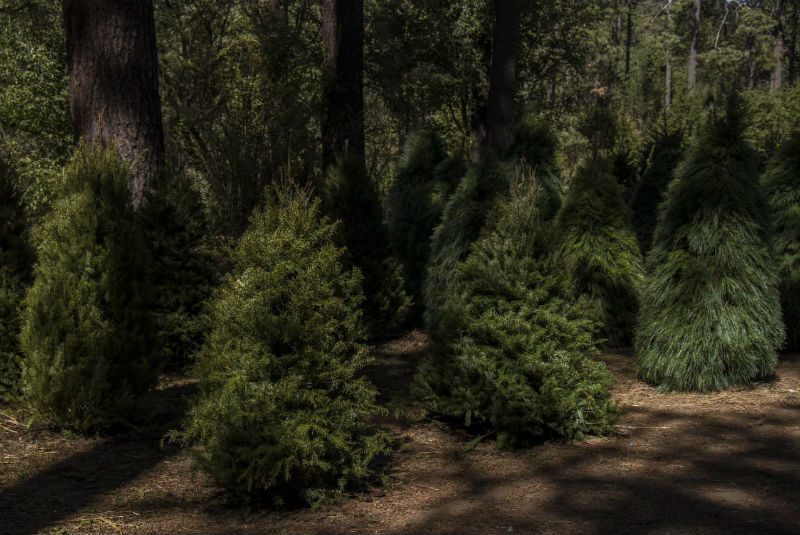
column 680, row 463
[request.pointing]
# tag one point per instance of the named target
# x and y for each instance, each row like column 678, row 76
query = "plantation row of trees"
column 237, row 200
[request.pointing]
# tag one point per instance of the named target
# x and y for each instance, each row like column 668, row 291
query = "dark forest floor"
column 680, row 463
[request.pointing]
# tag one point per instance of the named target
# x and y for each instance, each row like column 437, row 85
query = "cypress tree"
column 426, row 177
column 518, row 358
column 600, row 250
column 87, row 335
column 16, row 258
column 281, row 407
column 781, row 182
column 663, row 157
column 710, row 316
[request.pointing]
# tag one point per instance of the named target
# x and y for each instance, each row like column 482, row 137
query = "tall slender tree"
column 502, row 78
column 697, row 9
column 113, row 82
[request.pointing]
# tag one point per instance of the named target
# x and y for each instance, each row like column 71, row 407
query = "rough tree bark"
column 343, row 120
column 113, row 82
column 502, row 78
column 695, row 45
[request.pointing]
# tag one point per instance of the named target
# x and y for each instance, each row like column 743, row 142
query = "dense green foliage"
column 531, row 152
column 462, row 220
column 781, row 183
column 599, row 249
column 281, row 406
column 426, row 178
column 710, row 316
column 664, row 156
column 350, row 198
column 87, row 336
column 34, row 119
column 185, row 269
column 15, row 264
column 519, row 347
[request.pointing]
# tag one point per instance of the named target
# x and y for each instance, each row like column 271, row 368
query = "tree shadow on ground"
column 60, row 490
column 715, row 474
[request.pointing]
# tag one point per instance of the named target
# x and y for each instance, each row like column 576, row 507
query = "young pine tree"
column 351, row 198
column 664, row 156
column 532, row 150
column 87, row 335
column 16, row 258
column 280, row 416
column 599, row 249
column 185, row 269
column 518, row 359
column 710, row 315
column 426, row 178
column 781, row 182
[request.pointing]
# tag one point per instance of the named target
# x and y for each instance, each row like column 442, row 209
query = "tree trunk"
column 695, row 45
column 502, row 79
column 776, row 78
column 793, row 45
column 343, row 121
column 628, row 39
column 113, row 83
column 667, row 79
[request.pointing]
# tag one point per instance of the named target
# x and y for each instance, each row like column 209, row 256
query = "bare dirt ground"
column 681, row 463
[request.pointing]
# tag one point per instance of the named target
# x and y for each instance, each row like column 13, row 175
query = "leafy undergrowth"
column 689, row 463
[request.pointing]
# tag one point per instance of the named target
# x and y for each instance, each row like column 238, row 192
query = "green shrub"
column 599, row 249
column 15, row 263
column 351, row 198
column 781, row 183
column 426, row 178
column 532, row 151
column 281, row 407
column 185, row 269
column 710, row 314
column 462, row 221
column 86, row 333
column 518, row 357
column 664, row 156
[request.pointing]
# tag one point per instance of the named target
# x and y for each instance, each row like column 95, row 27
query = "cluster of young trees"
column 261, row 188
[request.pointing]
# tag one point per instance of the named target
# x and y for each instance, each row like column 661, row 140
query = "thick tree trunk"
column 502, row 79
column 776, row 77
column 695, row 45
column 113, row 82
column 343, row 121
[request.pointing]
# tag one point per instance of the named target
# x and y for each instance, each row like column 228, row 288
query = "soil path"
column 681, row 463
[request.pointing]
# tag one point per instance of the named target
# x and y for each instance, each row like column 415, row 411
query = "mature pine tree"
column 600, row 250
column 16, row 258
column 781, row 182
column 280, row 416
column 426, row 177
column 517, row 357
column 87, row 336
column 710, row 315
column 113, row 82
